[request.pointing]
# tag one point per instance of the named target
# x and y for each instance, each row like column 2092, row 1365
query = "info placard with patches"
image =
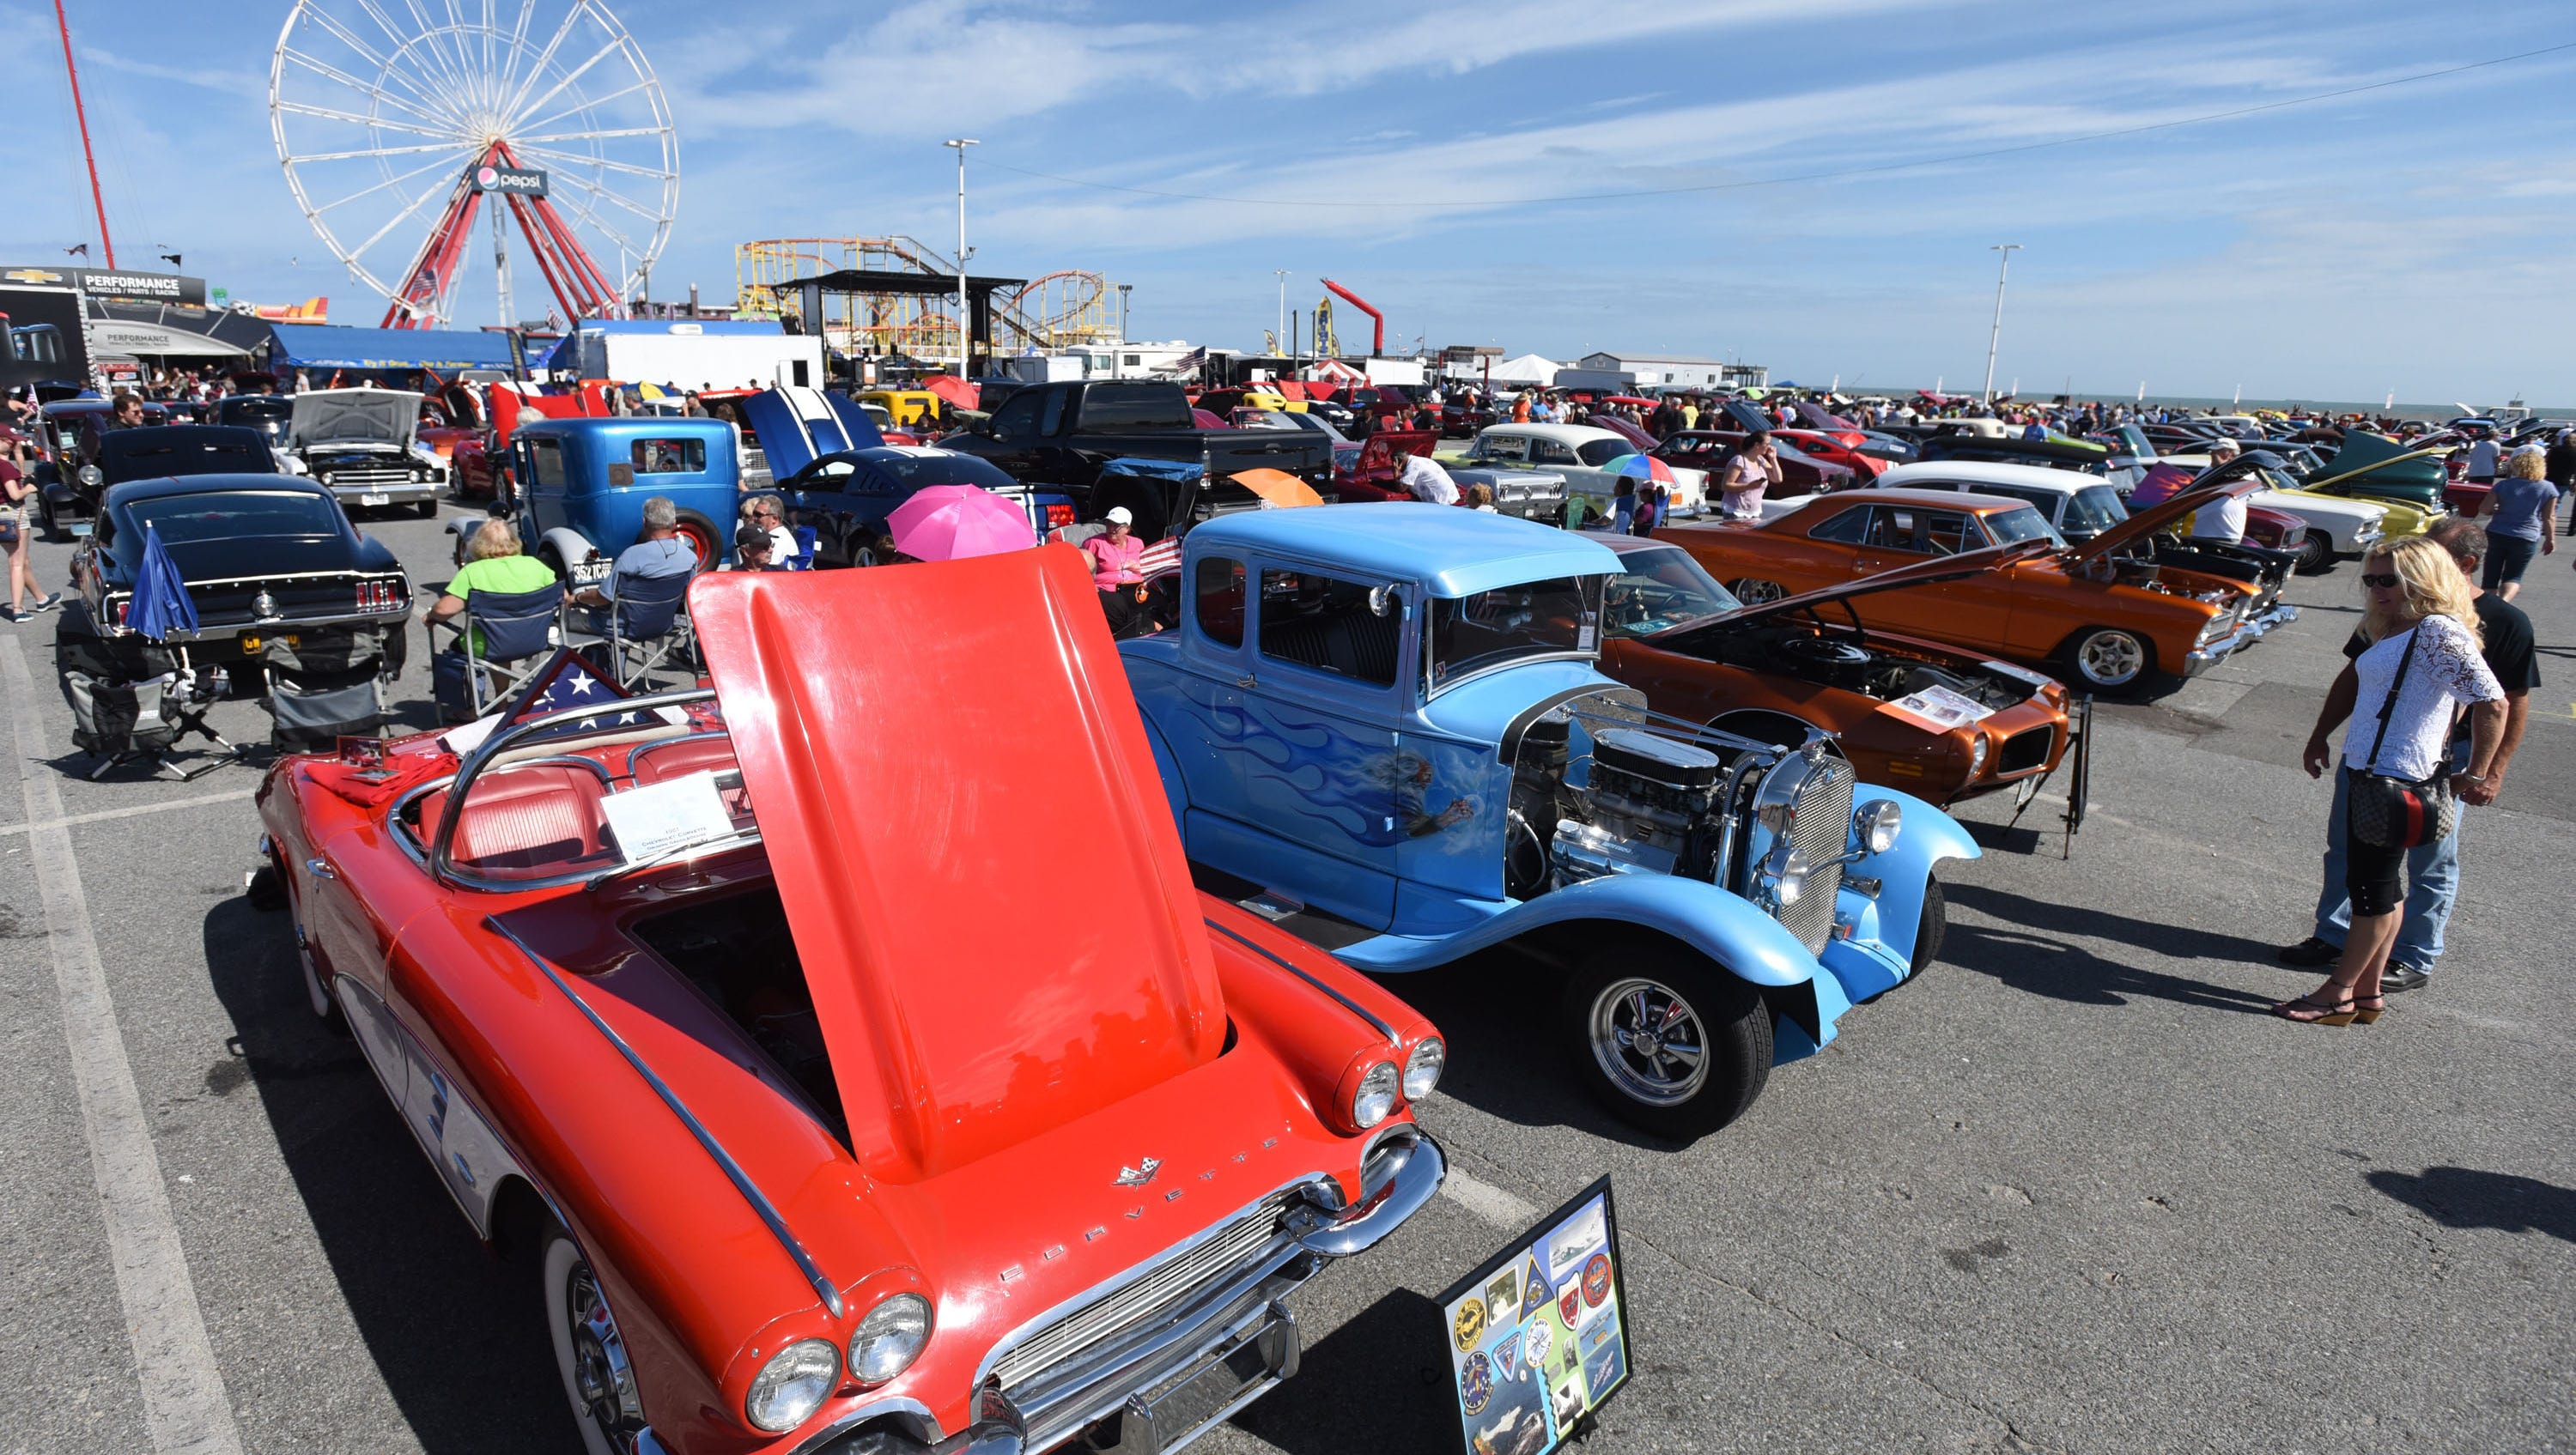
column 1538, row 1335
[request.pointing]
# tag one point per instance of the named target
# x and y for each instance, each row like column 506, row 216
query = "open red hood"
column 986, row 888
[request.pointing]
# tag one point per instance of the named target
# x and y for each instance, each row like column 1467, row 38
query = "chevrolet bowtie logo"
column 1139, row 1176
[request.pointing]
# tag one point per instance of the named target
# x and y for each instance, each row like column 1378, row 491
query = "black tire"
column 2109, row 659
column 317, row 994
column 2316, row 553
column 1721, row 1014
column 1933, row 928
column 427, row 509
column 1753, row 590
column 600, row 1381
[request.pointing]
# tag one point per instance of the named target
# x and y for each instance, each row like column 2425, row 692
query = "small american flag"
column 570, row 685
column 1162, row 558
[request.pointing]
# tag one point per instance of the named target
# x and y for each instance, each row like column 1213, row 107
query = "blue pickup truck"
column 1381, row 727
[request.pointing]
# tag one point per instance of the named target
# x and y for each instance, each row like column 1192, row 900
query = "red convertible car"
column 730, row 1012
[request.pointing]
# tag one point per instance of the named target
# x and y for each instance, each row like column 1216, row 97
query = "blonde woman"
column 2423, row 664
column 2523, row 521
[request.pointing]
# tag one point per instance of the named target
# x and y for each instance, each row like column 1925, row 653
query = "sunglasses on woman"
column 2380, row 579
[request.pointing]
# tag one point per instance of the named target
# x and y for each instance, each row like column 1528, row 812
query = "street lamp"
column 964, row 337
column 1995, row 337
column 1282, row 335
column 1123, row 290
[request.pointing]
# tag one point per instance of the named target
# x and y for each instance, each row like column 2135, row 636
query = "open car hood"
column 354, row 417
column 1922, row 573
column 798, row 426
column 982, row 875
column 2239, row 476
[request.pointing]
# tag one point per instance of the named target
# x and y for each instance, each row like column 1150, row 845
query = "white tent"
column 1527, row 369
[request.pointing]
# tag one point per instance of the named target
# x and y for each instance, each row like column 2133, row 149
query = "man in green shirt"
column 493, row 564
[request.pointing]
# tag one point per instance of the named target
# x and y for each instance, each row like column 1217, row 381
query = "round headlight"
column 1422, row 1069
column 1791, row 883
column 890, row 1338
column 1376, row 1096
column 89, row 475
column 1976, row 754
column 791, row 1386
column 1878, row 821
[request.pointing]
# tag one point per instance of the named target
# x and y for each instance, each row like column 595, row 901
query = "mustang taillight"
column 379, row 595
column 1059, row 516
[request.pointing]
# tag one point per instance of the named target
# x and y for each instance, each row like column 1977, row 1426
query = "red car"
column 845, row 1044
column 1800, row 472
column 1836, row 450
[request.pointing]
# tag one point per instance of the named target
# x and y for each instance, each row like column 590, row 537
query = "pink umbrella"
column 951, row 522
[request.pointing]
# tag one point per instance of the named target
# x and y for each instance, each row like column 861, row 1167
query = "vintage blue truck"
column 1381, row 727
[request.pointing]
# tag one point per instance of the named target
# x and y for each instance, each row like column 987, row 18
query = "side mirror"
column 1379, row 598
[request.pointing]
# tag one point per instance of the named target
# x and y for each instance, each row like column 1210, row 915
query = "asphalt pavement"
column 2070, row 1190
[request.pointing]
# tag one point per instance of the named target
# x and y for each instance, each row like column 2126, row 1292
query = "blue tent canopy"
column 329, row 346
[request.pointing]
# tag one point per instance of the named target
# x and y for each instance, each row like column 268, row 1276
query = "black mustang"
column 149, row 452
column 273, row 567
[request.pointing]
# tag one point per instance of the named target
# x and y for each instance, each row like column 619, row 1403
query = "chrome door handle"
column 320, row 869
column 1247, row 680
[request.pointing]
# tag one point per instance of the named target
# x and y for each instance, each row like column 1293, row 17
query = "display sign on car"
column 1538, row 1335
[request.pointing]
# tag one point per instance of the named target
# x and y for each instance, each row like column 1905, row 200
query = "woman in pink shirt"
column 1116, row 569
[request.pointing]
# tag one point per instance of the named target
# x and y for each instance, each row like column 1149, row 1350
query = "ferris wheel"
column 397, row 122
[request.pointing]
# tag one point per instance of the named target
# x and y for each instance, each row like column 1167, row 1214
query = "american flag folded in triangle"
column 570, row 684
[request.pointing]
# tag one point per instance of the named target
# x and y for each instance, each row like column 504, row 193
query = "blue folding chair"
column 806, row 537
column 646, row 623
column 502, row 639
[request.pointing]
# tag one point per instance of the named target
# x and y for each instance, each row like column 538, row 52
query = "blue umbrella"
column 160, row 603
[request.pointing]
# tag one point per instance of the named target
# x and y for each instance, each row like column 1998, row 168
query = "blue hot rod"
column 1381, row 726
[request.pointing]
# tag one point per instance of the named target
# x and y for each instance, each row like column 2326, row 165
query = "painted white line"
column 137, row 811
column 184, row 1406
column 1487, row 1201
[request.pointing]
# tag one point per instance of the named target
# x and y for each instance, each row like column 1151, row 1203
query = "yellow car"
column 2402, row 520
column 906, row 407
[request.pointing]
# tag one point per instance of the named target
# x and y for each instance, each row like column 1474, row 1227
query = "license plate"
column 591, row 573
column 250, row 645
column 375, row 497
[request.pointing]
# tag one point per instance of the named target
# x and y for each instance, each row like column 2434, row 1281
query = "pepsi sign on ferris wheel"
column 509, row 181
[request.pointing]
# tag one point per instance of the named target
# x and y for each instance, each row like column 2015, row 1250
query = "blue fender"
column 1880, row 951
column 1749, row 943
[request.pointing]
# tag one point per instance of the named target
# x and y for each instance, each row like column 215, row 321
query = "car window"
column 1891, row 528
column 1662, row 587
column 1019, row 417
column 1552, row 452
column 1051, row 411
column 1503, row 447
column 546, row 464
column 2021, row 523
column 2095, row 509
column 668, row 457
column 1948, row 532
column 1219, row 596
column 2040, row 500
column 1326, row 624
column 1602, row 452
column 828, row 475
column 1130, row 406
column 1848, row 528
column 237, row 514
column 1509, row 623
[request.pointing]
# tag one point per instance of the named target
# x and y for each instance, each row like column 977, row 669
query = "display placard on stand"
column 1538, row 1334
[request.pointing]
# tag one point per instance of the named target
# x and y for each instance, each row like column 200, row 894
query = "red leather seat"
column 680, row 757
column 527, row 817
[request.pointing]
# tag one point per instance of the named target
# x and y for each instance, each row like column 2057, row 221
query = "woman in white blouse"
column 2422, row 614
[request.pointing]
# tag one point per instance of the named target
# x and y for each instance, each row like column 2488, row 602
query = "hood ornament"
column 264, row 607
column 1139, row 1176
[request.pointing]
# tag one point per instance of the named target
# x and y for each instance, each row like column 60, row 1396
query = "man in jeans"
column 2432, row 872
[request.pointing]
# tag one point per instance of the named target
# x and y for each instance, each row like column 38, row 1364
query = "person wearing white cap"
column 1116, row 569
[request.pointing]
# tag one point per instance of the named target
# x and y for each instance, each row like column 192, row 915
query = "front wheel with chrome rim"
column 591, row 1355
column 1753, row 590
column 2315, row 554
column 1666, row 1039
column 2109, row 659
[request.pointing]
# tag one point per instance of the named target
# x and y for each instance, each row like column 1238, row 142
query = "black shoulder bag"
column 2394, row 813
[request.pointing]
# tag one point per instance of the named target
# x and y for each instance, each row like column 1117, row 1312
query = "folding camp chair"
column 806, row 539
column 647, row 622
column 517, row 632
column 125, row 722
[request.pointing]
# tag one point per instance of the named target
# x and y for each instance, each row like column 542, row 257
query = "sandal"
column 2321, row 1012
column 2367, row 1008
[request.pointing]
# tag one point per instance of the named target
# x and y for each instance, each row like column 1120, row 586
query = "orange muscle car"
column 1939, row 723
column 2106, row 611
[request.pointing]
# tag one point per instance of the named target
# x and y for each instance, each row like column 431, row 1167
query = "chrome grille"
column 1142, row 1305
column 368, row 477
column 1819, row 828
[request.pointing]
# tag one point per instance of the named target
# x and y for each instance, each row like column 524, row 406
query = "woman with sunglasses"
column 2423, row 665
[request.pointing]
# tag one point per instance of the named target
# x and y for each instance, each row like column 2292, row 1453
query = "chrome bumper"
column 2254, row 628
column 411, row 494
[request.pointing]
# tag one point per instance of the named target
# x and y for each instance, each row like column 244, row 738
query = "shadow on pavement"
column 1507, row 1044
column 2462, row 1197
column 454, row 1331
column 1349, row 1395
column 2046, row 964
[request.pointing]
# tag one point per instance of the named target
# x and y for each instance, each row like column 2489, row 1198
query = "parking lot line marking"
column 137, row 811
column 1487, row 1201
column 184, row 1405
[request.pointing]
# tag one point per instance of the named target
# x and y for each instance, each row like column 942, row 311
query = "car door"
column 545, row 479
column 1013, row 442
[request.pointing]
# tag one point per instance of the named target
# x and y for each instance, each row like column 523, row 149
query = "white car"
column 2338, row 529
column 1576, row 451
column 364, row 446
column 2079, row 506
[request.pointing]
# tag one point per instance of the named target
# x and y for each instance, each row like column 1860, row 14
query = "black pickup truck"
column 1061, row 434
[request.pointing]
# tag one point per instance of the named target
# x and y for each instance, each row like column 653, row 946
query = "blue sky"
column 2413, row 238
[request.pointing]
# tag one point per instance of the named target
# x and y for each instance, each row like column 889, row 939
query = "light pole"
column 965, row 338
column 1123, row 290
column 1992, row 339
column 1283, row 304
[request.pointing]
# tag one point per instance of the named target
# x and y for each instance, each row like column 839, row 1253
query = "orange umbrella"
column 1278, row 487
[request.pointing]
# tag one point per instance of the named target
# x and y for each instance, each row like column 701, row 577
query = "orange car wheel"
column 2109, row 659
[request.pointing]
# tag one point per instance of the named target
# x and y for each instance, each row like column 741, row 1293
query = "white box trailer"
column 688, row 359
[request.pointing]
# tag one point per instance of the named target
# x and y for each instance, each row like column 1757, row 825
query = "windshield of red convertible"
column 1534, row 619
